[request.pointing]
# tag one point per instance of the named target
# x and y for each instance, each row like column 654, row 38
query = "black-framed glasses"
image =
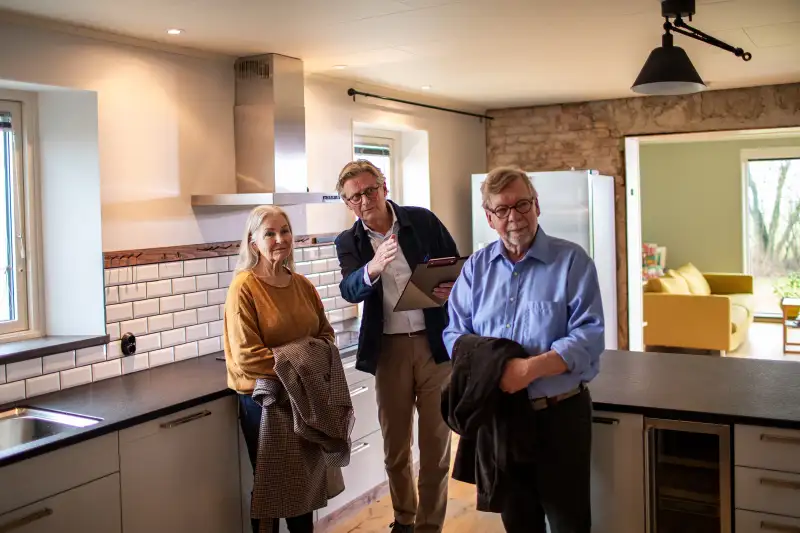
column 369, row 192
column 521, row 207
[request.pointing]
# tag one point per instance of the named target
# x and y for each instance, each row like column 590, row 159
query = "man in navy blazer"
column 404, row 350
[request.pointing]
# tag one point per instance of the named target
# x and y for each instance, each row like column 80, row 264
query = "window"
column 772, row 223
column 380, row 152
column 14, row 286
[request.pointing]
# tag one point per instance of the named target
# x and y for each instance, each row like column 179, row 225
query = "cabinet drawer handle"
column 780, row 483
column 605, row 420
column 25, row 520
column 359, row 390
column 358, row 448
column 773, row 526
column 780, row 439
column 186, row 419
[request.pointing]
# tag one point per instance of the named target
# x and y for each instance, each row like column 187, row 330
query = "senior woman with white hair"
column 268, row 305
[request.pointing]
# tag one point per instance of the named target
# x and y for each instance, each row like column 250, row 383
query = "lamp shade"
column 668, row 70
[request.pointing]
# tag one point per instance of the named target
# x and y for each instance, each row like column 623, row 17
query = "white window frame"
column 392, row 140
column 27, row 243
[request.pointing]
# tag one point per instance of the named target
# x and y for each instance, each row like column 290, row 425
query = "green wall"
column 692, row 200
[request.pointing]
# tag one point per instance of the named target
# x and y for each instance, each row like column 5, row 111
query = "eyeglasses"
column 369, row 192
column 521, row 207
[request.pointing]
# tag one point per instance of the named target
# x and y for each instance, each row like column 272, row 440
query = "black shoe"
column 401, row 528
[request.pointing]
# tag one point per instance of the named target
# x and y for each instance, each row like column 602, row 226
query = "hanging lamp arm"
column 684, row 29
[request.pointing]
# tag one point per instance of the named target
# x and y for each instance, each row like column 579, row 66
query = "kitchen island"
column 749, row 408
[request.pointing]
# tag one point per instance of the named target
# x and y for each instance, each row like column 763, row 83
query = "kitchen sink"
column 23, row 425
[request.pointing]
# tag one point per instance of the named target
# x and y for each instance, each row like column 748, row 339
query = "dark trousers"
column 250, row 420
column 550, row 470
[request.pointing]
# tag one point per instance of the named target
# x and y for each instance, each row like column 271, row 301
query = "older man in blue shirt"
column 543, row 293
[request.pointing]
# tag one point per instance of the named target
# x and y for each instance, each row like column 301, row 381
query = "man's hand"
column 516, row 375
column 442, row 291
column 384, row 255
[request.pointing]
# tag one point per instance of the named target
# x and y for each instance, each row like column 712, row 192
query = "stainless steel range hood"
column 270, row 141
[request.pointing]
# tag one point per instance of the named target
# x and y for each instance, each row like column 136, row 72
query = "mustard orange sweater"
column 259, row 317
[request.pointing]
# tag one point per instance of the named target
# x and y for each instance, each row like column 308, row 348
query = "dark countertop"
column 700, row 388
column 686, row 387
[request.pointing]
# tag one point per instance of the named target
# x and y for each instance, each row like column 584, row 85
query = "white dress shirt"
column 395, row 277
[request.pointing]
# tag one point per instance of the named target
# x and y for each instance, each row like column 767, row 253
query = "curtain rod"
column 354, row 93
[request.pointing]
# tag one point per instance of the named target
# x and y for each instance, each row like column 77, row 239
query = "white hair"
column 248, row 256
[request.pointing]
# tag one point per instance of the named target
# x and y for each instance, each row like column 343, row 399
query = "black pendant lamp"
column 668, row 70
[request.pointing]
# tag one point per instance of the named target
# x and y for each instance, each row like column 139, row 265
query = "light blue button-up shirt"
column 548, row 300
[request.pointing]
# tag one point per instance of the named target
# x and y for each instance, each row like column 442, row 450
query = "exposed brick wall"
column 591, row 136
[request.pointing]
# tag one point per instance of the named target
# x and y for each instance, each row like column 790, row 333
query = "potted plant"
column 789, row 288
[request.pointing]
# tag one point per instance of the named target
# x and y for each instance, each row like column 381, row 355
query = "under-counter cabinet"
column 181, row 472
column 618, row 476
column 93, row 507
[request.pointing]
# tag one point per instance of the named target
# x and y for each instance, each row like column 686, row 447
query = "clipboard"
column 418, row 292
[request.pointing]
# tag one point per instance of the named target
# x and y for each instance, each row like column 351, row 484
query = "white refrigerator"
column 576, row 205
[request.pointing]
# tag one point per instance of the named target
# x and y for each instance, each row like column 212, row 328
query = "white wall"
column 166, row 132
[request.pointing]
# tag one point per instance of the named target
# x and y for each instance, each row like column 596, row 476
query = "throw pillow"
column 694, row 278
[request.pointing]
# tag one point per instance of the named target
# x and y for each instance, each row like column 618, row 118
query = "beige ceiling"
column 491, row 53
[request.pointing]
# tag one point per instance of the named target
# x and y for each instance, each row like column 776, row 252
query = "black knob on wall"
column 128, row 344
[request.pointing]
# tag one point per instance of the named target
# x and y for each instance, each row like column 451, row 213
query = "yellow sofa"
column 698, row 311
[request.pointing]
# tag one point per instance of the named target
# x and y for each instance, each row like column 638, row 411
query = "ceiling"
column 486, row 53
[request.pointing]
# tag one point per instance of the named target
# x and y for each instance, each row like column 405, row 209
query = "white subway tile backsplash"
column 313, row 278
column 327, row 251
column 310, row 254
column 58, row 362
column 321, row 265
column 215, row 329
column 185, row 318
column 329, row 304
column 209, row 281
column 341, row 303
column 170, row 270
column 129, row 293
column 109, row 369
column 326, row 278
column 119, row 312
column 87, row 356
column 303, row 268
column 207, row 346
column 148, row 343
column 194, row 267
column 159, row 288
column 24, row 369
column 232, row 260
column 298, row 255
column 137, row 326
column 208, row 314
column 186, row 351
column 173, row 337
column 333, row 291
column 333, row 264
column 336, row 316
column 76, row 376
column 217, row 296
column 217, row 264
column 146, row 273
column 172, row 303
column 119, row 276
column 196, row 299
column 135, row 363
column 161, row 357
column 112, row 295
column 12, row 392
column 42, row 385
column 337, row 276
column 194, row 333
column 112, row 330
column 114, row 350
column 225, row 279
column 146, row 308
column 322, row 291
column 160, row 323
column 351, row 312
column 184, row 285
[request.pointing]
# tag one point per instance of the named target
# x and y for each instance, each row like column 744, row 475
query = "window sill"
column 14, row 352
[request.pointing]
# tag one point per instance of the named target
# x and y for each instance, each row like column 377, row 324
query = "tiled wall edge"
column 176, row 310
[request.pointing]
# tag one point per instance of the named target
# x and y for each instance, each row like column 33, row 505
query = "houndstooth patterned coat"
column 304, row 439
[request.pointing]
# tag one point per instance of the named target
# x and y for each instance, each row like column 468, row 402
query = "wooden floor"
column 764, row 341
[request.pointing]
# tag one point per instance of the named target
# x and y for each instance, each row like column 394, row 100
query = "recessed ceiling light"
column 426, row 87
column 340, row 67
column 174, row 31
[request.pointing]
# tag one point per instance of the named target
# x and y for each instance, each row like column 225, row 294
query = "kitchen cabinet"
column 181, row 472
column 618, row 477
column 88, row 508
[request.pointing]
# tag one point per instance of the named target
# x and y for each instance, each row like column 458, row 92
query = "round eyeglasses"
column 369, row 192
column 521, row 207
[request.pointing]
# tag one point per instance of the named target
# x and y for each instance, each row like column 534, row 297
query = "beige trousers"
column 407, row 376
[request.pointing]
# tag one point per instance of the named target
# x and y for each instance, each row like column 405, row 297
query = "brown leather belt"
column 539, row 404
column 412, row 334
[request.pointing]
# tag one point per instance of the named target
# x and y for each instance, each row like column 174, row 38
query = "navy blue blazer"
column 421, row 237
